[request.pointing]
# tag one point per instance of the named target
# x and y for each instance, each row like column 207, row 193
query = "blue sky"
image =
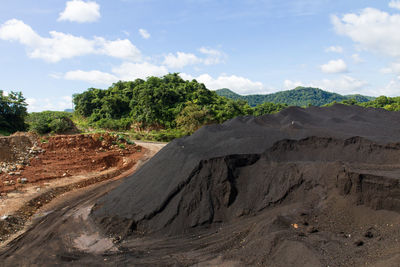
column 51, row 49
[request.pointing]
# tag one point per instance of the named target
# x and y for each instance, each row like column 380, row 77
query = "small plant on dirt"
column 122, row 146
column 129, row 142
column 43, row 141
column 120, row 137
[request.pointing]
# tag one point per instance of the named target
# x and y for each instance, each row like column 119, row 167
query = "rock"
column 6, row 183
column 23, row 180
column 359, row 243
column 312, row 229
column 369, row 234
column 20, row 166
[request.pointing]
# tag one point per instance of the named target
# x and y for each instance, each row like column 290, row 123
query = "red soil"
column 71, row 155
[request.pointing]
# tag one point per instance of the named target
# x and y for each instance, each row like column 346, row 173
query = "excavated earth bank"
column 304, row 187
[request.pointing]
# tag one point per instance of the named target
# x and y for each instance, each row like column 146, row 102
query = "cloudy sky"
column 51, row 49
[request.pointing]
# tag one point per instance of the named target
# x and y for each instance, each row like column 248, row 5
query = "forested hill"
column 300, row 96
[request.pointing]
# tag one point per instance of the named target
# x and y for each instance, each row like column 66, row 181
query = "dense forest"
column 300, row 96
column 168, row 102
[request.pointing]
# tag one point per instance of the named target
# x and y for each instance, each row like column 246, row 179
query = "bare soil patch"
column 40, row 170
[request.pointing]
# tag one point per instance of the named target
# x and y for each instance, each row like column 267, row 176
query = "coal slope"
column 321, row 162
column 249, row 163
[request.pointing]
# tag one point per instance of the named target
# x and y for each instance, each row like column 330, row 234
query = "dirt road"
column 152, row 147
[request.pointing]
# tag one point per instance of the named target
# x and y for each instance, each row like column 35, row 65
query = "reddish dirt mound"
column 69, row 155
column 69, row 161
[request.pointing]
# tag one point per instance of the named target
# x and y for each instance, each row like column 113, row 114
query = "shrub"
column 166, row 135
column 114, row 124
column 50, row 122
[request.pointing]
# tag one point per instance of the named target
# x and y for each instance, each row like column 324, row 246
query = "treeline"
column 300, row 96
column 12, row 112
column 168, row 102
column 388, row 103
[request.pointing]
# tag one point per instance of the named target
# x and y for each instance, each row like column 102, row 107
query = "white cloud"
column 343, row 85
column 392, row 88
column 123, row 49
column 288, row 84
column 180, row 60
column 80, row 11
column 335, row 49
column 127, row 71
column 213, row 56
column 238, row 84
column 64, row 46
column 93, row 77
column 130, row 71
column 357, row 58
column 334, row 66
column 394, row 68
column 394, row 4
column 386, row 71
column 372, row 30
column 145, row 34
column 52, row 103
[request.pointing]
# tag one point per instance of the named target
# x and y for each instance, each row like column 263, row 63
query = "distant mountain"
column 70, row 110
column 300, row 96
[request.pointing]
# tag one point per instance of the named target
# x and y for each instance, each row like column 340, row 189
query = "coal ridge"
column 153, row 198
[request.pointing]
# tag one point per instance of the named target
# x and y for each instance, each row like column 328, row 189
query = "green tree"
column 268, row 108
column 12, row 112
column 192, row 117
column 50, row 122
column 154, row 103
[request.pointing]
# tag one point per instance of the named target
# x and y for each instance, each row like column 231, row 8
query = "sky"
column 52, row 49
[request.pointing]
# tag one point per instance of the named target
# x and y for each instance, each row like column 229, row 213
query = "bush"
column 4, row 132
column 114, row 124
column 50, row 122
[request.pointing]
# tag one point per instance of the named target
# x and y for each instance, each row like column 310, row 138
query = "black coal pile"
column 248, row 164
column 322, row 171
